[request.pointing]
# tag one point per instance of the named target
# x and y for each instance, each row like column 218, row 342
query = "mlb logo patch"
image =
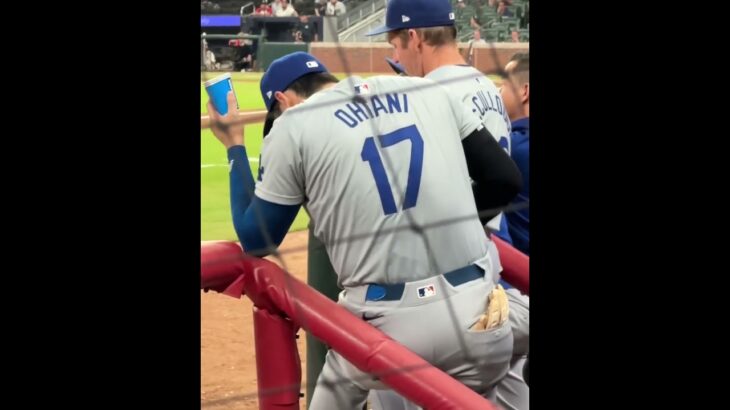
column 268, row 94
column 362, row 89
column 312, row 64
column 426, row 291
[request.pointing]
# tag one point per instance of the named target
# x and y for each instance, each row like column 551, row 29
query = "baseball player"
column 515, row 93
column 379, row 165
column 516, row 96
column 423, row 37
column 432, row 53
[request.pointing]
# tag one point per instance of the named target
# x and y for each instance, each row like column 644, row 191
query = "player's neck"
column 327, row 86
column 441, row 56
column 526, row 111
column 523, row 113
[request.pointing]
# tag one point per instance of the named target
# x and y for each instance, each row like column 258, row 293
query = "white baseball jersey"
column 363, row 192
column 479, row 93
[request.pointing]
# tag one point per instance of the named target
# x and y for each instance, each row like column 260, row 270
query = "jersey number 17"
column 372, row 156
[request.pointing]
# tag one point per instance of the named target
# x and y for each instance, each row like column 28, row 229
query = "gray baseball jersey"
column 363, row 191
column 479, row 93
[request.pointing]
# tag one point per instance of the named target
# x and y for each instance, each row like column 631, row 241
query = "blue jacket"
column 519, row 221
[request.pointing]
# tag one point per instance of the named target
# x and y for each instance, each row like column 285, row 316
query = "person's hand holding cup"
column 223, row 111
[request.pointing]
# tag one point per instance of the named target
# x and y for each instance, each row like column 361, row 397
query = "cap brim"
column 379, row 30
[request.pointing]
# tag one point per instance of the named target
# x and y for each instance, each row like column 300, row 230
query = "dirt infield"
column 228, row 356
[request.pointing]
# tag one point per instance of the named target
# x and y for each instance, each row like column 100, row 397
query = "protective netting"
column 412, row 225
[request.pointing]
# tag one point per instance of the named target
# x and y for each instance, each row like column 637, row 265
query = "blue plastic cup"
column 218, row 89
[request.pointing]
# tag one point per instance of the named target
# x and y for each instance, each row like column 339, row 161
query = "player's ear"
column 283, row 100
column 414, row 38
column 525, row 93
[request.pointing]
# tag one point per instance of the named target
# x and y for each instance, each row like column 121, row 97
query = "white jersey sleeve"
column 465, row 119
column 479, row 95
column 281, row 178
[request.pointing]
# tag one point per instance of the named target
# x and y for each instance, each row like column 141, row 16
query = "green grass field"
column 215, row 214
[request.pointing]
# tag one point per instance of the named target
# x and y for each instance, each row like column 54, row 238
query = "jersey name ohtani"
column 367, row 107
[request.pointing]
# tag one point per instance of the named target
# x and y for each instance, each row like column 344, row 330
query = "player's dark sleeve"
column 260, row 225
column 497, row 178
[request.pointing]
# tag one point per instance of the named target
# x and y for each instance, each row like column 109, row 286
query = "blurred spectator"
column 243, row 54
column 285, row 9
column 335, row 8
column 209, row 62
column 305, row 31
column 460, row 4
column 503, row 11
column 476, row 26
column 245, row 63
column 264, row 9
column 206, row 5
column 209, row 58
column 319, row 7
column 515, row 93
